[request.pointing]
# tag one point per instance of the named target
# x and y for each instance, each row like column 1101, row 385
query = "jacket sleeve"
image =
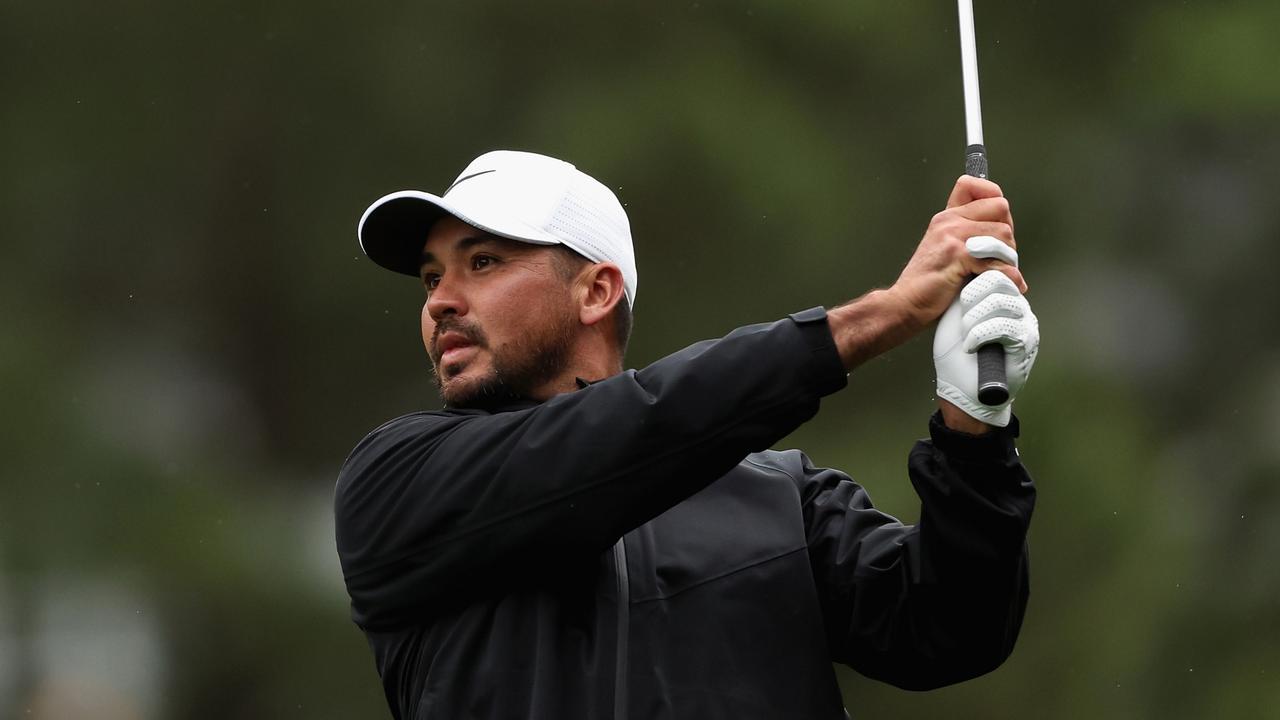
column 435, row 507
column 926, row 605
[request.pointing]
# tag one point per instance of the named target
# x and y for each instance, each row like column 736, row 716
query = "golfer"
column 567, row 539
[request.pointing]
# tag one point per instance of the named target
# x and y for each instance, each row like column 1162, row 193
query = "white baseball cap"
column 518, row 195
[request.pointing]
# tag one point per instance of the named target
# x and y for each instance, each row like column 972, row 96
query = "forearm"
column 931, row 604
column 976, row 505
column 876, row 323
column 870, row 326
column 976, row 496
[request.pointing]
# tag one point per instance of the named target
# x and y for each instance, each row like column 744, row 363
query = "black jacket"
column 632, row 550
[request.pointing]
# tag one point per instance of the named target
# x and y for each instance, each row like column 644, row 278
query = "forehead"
column 451, row 236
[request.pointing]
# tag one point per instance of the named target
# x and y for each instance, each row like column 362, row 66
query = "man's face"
column 499, row 319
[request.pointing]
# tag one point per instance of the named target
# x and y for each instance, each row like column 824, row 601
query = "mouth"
column 453, row 348
column 455, row 354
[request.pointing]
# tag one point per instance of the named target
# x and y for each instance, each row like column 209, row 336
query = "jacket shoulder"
column 392, row 434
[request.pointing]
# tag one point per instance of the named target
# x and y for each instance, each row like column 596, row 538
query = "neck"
column 591, row 364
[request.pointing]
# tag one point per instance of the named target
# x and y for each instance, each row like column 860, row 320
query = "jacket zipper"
column 624, row 620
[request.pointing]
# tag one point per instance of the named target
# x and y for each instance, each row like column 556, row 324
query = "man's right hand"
column 933, row 277
column 942, row 264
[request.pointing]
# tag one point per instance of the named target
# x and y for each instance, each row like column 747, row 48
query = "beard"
column 519, row 367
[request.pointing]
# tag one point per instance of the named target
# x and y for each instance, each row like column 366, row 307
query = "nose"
column 446, row 299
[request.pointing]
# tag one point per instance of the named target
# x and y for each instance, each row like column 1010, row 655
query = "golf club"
column 993, row 386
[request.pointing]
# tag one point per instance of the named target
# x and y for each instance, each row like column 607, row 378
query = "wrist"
column 997, row 444
column 960, row 421
column 871, row 325
column 912, row 315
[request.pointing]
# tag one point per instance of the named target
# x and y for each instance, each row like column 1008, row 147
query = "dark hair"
column 568, row 263
column 622, row 325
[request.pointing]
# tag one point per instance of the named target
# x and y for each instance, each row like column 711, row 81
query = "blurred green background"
column 191, row 342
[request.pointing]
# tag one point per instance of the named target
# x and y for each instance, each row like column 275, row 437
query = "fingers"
column 992, row 248
column 978, row 267
column 992, row 254
column 997, row 304
column 982, row 201
column 987, row 210
column 1004, row 331
column 985, row 285
column 995, row 313
column 946, row 259
column 983, row 220
column 994, row 291
column 969, row 188
column 1019, row 336
column 980, row 245
column 953, row 224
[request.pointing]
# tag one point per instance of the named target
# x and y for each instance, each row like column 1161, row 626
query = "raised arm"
column 434, row 507
column 926, row 605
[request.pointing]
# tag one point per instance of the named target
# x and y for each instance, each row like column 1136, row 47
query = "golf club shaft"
column 993, row 385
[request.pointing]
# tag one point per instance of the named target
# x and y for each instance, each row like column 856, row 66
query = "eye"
column 430, row 281
column 480, row 262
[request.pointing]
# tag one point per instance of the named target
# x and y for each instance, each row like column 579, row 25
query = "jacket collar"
column 524, row 403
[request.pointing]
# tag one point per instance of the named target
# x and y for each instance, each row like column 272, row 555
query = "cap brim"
column 395, row 227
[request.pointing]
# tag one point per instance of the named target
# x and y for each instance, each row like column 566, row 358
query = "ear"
column 600, row 289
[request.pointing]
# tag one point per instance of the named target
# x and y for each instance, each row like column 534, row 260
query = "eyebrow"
column 465, row 243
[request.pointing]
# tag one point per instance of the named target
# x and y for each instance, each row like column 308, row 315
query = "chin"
column 466, row 389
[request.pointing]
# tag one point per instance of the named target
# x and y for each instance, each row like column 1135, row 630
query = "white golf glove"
column 988, row 309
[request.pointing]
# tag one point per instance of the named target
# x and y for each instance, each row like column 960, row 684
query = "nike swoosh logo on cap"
column 465, row 178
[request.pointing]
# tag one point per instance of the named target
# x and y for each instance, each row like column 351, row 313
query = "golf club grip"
column 993, row 382
column 975, row 161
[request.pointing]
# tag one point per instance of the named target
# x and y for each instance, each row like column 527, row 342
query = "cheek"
column 428, row 327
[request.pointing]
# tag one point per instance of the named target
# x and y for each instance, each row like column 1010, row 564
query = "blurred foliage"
column 191, row 341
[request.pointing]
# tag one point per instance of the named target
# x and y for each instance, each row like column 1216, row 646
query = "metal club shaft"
column 993, row 385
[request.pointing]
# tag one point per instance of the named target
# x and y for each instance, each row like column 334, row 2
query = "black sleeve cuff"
column 828, row 374
column 997, row 444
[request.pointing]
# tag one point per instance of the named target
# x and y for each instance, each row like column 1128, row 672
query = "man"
column 569, row 540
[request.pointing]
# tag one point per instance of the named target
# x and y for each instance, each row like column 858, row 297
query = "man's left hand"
column 989, row 309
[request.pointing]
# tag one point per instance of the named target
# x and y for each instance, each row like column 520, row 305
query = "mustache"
column 470, row 331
